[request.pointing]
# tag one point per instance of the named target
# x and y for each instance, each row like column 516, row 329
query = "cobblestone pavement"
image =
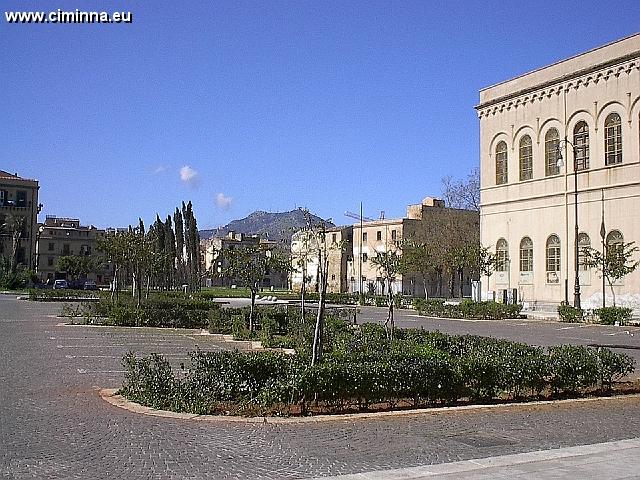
column 53, row 424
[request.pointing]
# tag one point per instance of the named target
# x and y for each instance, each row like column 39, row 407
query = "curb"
column 109, row 395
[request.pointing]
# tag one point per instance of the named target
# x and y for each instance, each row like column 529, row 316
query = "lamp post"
column 576, row 287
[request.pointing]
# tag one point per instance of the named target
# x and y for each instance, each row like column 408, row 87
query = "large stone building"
column 19, row 200
column 425, row 223
column 212, row 256
column 586, row 111
column 305, row 246
column 59, row 237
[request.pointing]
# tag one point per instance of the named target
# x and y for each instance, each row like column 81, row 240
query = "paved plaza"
column 54, row 425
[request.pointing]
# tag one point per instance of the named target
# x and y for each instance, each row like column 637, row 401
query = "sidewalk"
column 602, row 461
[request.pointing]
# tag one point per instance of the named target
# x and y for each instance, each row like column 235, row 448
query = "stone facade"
column 212, row 255
column 19, row 198
column 304, row 248
column 60, row 237
column 423, row 223
column 587, row 108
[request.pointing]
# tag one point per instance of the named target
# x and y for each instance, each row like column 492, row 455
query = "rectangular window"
column 65, row 249
column 50, row 261
column 334, row 238
column 378, row 235
column 364, row 236
column 393, row 235
column 21, row 198
column 52, row 246
column 4, row 196
column 365, row 257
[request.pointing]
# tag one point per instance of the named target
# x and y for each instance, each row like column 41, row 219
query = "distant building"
column 586, row 108
column 19, row 199
column 422, row 224
column 305, row 246
column 60, row 237
column 213, row 261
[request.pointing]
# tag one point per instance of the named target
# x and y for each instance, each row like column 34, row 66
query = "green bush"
column 573, row 367
column 569, row 313
column 362, row 367
column 467, row 309
column 611, row 315
column 240, row 327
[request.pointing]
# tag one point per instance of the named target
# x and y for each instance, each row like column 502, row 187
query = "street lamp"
column 576, row 288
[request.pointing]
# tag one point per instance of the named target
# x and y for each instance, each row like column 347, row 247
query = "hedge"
column 467, row 309
column 362, row 368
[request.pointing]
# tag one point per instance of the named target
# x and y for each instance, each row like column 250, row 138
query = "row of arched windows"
column 612, row 153
column 552, row 251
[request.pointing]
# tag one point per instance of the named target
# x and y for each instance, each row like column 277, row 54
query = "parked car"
column 90, row 285
column 60, row 284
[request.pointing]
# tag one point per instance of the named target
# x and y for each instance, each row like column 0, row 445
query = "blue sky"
column 240, row 106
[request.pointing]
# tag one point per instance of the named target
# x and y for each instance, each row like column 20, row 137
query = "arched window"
column 502, row 255
column 526, row 158
column 581, row 145
column 553, row 254
column 615, row 239
column 526, row 255
column 551, row 152
column 584, row 242
column 612, row 139
column 501, row 163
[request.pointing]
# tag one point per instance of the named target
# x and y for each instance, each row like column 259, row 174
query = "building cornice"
column 595, row 73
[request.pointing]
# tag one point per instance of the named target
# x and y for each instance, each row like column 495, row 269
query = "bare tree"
column 464, row 194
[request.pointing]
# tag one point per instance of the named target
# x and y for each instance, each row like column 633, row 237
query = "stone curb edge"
column 109, row 395
column 568, row 455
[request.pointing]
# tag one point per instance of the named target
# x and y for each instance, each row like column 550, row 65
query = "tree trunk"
column 390, row 323
column 254, row 292
column 302, row 292
column 424, row 285
column 316, row 354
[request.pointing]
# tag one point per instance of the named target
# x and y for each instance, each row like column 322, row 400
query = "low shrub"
column 467, row 309
column 611, row 315
column 569, row 313
column 361, row 367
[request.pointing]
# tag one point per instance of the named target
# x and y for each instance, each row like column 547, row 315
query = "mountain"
column 270, row 226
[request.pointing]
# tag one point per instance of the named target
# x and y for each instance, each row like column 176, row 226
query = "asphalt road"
column 534, row 332
column 54, row 425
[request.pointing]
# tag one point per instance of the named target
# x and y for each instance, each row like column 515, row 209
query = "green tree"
column 14, row 226
column 249, row 266
column 616, row 263
column 388, row 264
column 418, row 257
column 76, row 266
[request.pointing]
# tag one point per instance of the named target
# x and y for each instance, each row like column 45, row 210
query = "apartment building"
column 19, row 206
column 427, row 222
column 60, row 236
column 213, row 251
column 559, row 140
column 305, row 247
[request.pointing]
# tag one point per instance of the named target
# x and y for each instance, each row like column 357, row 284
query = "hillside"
column 271, row 226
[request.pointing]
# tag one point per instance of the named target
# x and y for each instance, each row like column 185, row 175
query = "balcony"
column 13, row 206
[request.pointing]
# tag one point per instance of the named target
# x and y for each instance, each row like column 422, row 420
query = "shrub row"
column 467, row 309
column 154, row 312
column 422, row 368
column 51, row 295
column 606, row 315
